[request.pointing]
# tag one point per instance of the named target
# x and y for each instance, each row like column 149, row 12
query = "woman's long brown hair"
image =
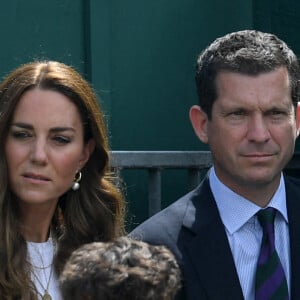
column 93, row 213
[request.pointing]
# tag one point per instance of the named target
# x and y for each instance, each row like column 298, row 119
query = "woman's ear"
column 199, row 122
column 88, row 149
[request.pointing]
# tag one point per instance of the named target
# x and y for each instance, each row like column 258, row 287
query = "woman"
column 55, row 190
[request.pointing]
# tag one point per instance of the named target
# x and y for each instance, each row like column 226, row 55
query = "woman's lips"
column 35, row 177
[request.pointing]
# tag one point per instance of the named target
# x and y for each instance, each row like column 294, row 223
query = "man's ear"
column 199, row 122
column 298, row 118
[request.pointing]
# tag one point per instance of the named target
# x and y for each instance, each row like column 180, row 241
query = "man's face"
column 253, row 129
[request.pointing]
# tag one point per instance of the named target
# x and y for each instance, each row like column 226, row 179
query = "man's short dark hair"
column 247, row 52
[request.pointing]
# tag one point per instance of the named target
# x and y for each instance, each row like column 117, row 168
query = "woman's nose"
column 39, row 152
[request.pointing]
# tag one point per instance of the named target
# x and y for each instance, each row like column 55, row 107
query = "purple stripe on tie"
column 271, row 284
column 264, row 255
column 270, row 231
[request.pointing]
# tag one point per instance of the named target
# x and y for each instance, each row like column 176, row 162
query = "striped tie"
column 270, row 278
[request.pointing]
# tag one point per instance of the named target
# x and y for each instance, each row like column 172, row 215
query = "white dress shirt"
column 244, row 232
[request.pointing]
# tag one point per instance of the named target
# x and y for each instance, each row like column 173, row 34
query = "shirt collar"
column 236, row 210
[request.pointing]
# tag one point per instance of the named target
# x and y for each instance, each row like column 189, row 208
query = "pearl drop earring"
column 77, row 179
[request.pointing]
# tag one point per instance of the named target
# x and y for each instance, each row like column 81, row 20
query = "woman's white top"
column 40, row 256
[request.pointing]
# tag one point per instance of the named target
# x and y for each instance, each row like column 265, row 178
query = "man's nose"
column 258, row 129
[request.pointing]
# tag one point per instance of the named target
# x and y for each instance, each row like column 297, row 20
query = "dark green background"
column 139, row 56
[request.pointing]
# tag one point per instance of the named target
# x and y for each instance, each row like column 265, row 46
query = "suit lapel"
column 208, row 249
column 293, row 208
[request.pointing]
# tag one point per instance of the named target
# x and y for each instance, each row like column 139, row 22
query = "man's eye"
column 277, row 112
column 239, row 113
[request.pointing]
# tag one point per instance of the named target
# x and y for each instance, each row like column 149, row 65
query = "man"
column 124, row 269
column 248, row 113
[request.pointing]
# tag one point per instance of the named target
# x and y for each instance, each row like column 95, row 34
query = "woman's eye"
column 21, row 134
column 62, row 139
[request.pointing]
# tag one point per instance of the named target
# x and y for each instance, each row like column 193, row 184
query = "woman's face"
column 44, row 147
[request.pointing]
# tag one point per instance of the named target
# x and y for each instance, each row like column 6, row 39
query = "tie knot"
column 266, row 216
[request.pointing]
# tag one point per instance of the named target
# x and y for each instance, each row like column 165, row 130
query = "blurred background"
column 139, row 56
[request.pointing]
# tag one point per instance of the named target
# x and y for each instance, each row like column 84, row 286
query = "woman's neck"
column 36, row 223
column 36, row 235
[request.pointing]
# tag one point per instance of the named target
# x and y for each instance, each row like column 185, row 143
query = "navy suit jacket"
column 192, row 229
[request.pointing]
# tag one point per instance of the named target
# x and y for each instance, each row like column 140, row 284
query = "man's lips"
column 258, row 155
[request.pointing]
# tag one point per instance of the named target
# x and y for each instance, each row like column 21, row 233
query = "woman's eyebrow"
column 22, row 125
column 54, row 129
column 60, row 129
